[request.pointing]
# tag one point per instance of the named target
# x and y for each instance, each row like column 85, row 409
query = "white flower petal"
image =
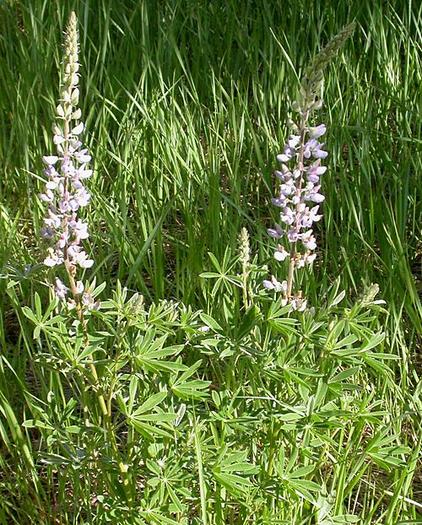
column 58, row 139
column 50, row 159
column 280, row 255
column 77, row 130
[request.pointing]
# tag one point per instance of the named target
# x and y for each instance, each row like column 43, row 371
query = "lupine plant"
column 230, row 410
column 66, row 194
column 299, row 194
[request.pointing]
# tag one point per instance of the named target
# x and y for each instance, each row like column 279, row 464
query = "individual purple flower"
column 276, row 232
column 312, row 148
column 288, row 188
column 89, row 302
column 317, row 131
column 308, row 240
column 287, row 216
column 298, row 303
column 79, row 228
column 293, row 235
column 275, row 285
column 54, row 258
column 309, row 216
column 290, row 149
column 314, row 171
column 279, row 201
column 310, row 258
column 281, row 254
column 60, row 289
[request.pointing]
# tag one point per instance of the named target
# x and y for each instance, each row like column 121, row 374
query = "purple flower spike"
column 298, row 190
column 66, row 172
column 301, row 167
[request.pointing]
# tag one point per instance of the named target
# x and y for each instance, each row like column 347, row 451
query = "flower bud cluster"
column 66, row 172
column 244, row 250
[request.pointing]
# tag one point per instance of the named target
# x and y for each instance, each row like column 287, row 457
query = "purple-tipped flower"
column 275, row 232
column 66, row 172
column 275, row 285
column 60, row 289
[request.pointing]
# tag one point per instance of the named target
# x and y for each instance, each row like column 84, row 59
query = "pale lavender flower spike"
column 299, row 179
column 66, row 172
column 299, row 190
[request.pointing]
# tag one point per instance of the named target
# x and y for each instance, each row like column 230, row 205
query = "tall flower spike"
column 66, row 172
column 299, row 193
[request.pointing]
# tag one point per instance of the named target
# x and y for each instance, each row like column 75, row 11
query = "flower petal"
column 50, row 160
column 77, row 130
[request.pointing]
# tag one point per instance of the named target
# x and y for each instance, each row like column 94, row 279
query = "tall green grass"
column 185, row 104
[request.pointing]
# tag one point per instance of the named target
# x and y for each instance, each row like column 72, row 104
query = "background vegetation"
column 185, row 103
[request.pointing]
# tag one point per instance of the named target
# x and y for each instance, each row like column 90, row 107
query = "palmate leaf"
column 385, row 453
column 301, row 488
column 150, row 354
column 234, row 472
column 293, row 374
column 156, row 518
column 142, row 417
column 304, row 488
column 363, row 354
column 161, row 428
column 150, row 403
column 344, row 374
column 248, row 321
column 374, row 341
column 43, row 323
column 193, row 389
column 278, row 321
column 177, row 504
column 224, row 280
column 210, row 322
column 235, row 484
